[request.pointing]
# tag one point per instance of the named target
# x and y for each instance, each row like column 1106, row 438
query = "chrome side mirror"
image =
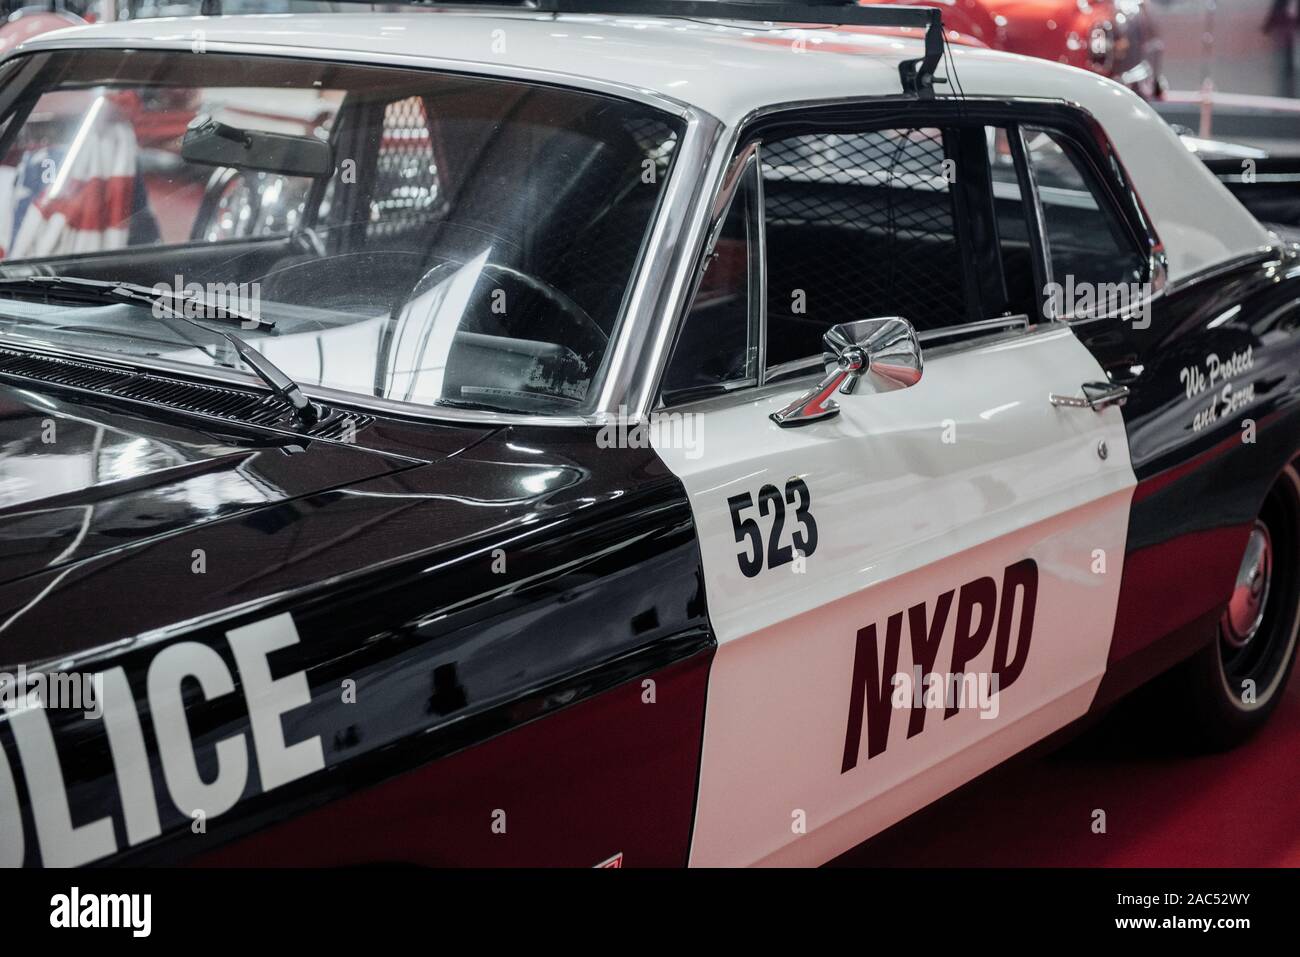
column 870, row 355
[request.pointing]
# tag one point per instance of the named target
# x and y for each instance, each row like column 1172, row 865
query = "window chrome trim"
column 731, row 182
column 677, row 215
column 760, row 207
column 1029, row 181
column 665, row 282
column 1131, row 206
column 1019, row 322
column 1261, row 255
column 719, row 168
column 994, row 336
column 814, row 369
column 726, row 178
column 784, row 372
column 980, row 332
column 1147, row 243
column 734, row 177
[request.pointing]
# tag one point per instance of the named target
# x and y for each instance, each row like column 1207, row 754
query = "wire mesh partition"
column 858, row 225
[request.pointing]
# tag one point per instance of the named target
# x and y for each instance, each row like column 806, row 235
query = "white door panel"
column 915, row 494
column 778, row 709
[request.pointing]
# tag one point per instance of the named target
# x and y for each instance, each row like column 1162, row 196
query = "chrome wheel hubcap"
column 1245, row 610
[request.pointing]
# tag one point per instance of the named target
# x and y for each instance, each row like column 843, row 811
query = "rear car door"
column 910, row 591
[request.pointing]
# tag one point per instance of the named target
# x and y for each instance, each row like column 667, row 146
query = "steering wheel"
column 566, row 306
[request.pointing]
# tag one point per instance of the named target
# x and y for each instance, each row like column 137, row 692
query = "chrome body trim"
column 996, row 324
column 1096, row 396
column 1260, row 256
column 1044, row 251
column 981, row 332
column 760, row 203
column 813, row 369
column 666, row 280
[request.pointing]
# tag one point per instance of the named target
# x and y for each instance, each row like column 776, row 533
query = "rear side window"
column 1087, row 245
column 858, row 225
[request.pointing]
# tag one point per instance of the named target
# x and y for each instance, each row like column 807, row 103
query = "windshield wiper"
column 130, row 291
column 304, row 410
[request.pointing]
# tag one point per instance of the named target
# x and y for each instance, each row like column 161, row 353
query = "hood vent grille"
column 218, row 401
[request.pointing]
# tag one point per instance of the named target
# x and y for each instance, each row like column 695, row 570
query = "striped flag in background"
column 75, row 197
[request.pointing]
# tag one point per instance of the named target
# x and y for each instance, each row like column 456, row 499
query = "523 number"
column 771, row 502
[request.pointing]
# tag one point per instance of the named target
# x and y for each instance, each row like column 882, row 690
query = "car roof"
column 723, row 68
column 728, row 70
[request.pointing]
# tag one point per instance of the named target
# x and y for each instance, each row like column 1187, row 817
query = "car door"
column 910, row 591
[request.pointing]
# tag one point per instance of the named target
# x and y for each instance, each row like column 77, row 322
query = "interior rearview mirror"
column 214, row 143
column 870, row 355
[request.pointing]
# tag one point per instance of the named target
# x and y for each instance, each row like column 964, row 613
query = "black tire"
column 1227, row 691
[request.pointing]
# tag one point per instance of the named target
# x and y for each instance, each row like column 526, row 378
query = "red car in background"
column 26, row 22
column 1116, row 38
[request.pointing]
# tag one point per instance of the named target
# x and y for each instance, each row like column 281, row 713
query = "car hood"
column 78, row 478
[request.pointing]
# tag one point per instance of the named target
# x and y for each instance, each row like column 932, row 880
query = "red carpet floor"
column 1163, row 808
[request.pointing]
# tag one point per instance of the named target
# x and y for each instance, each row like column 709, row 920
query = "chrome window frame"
column 1124, row 201
column 744, row 164
column 795, row 372
column 654, row 284
column 1154, row 265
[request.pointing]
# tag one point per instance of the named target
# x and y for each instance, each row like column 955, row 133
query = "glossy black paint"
column 513, row 573
column 81, row 476
column 1198, row 488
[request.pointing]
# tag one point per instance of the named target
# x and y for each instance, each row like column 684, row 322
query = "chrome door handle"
column 1096, row 396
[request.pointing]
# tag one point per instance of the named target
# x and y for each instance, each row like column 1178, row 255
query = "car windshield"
column 421, row 237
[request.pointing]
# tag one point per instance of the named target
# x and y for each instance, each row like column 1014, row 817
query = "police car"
column 609, row 433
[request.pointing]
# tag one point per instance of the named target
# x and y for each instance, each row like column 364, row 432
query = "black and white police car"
column 638, row 433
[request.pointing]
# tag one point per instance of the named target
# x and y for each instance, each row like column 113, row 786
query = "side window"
column 858, row 225
column 718, row 345
column 1087, row 245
